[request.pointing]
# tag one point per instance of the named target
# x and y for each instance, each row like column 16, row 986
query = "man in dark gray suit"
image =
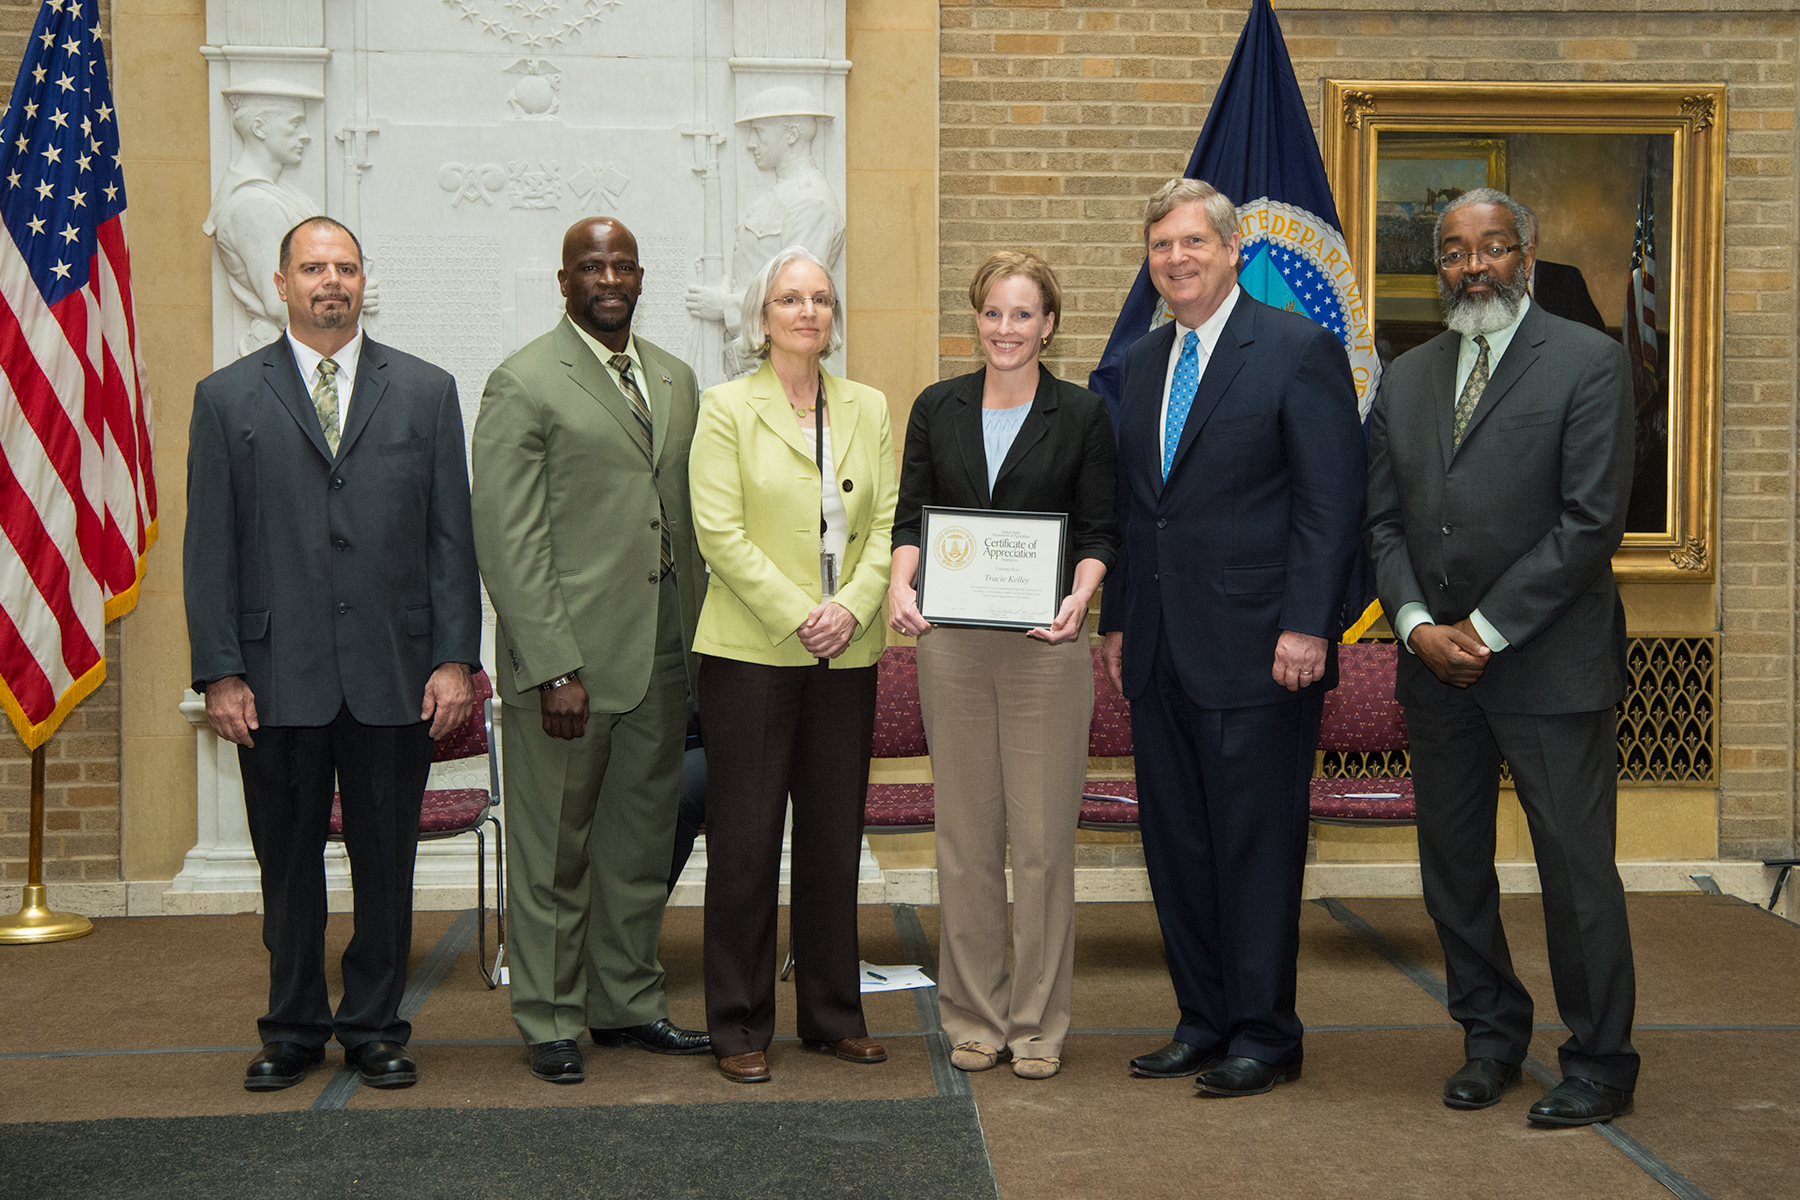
column 1499, row 471
column 334, row 616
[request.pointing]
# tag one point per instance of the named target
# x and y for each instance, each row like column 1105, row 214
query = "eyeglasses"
column 1452, row 259
column 791, row 302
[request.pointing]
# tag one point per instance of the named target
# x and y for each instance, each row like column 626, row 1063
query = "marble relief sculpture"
column 253, row 208
column 798, row 208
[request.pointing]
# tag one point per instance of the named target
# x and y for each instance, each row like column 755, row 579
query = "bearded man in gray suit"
column 1500, row 458
column 334, row 616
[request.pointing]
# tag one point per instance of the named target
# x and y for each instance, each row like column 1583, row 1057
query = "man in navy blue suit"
column 1241, row 477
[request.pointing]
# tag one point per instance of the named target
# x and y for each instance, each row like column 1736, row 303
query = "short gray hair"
column 1523, row 220
column 751, row 335
column 1221, row 213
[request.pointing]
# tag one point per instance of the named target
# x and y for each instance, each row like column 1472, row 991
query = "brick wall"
column 81, row 790
column 1059, row 116
column 81, row 763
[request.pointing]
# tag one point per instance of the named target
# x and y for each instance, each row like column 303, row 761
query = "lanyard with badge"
column 828, row 562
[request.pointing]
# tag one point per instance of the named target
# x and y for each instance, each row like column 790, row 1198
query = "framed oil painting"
column 1627, row 183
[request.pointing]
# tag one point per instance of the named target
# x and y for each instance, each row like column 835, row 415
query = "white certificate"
column 1002, row 570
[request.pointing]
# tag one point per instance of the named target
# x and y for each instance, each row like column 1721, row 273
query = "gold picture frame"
column 1417, row 176
column 1686, row 118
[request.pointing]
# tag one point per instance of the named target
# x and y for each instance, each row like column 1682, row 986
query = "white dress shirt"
column 1414, row 614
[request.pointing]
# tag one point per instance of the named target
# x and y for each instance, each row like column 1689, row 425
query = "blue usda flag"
column 1257, row 147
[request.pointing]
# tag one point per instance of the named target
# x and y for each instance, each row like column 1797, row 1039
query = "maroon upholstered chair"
column 1109, row 805
column 450, row 811
column 899, row 733
column 1361, row 715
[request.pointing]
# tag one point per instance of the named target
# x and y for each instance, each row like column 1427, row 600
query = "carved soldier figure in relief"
column 253, row 208
column 780, row 124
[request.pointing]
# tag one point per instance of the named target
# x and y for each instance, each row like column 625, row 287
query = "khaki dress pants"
column 1007, row 718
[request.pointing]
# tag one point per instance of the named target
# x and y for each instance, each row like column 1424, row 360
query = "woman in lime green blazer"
column 793, row 485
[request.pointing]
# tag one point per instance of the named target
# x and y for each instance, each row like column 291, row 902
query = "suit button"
column 652, row 577
column 1446, row 531
column 343, row 608
column 1161, row 523
column 656, row 524
column 852, row 537
column 849, row 485
column 337, row 482
column 1443, row 587
column 341, row 544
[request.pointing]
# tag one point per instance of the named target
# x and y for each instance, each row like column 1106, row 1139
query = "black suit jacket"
column 1562, row 290
column 1061, row 461
column 1520, row 521
column 324, row 582
column 1254, row 530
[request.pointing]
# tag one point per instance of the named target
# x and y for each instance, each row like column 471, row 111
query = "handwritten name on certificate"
column 997, row 569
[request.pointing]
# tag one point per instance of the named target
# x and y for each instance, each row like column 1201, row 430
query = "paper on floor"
column 892, row 979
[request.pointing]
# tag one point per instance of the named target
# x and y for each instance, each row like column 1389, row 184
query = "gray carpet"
column 928, row 1146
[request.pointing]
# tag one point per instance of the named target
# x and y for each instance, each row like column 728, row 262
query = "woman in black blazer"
column 1007, row 716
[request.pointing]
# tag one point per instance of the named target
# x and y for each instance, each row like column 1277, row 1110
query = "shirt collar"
column 1210, row 329
column 604, row 354
column 346, row 356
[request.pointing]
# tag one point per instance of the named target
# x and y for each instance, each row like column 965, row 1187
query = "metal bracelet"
column 559, row 681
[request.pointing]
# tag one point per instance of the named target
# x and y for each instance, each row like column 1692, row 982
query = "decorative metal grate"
column 1668, row 720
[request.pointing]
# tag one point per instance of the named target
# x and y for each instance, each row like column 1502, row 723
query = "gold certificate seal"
column 954, row 548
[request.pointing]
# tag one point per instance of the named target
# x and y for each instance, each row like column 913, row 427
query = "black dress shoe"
column 1577, row 1101
column 1175, row 1060
column 1238, row 1076
column 383, row 1064
column 658, row 1037
column 557, row 1062
column 281, row 1065
column 1479, row 1083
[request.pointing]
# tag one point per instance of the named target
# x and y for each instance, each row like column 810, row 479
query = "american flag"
column 77, row 500
column 1640, row 298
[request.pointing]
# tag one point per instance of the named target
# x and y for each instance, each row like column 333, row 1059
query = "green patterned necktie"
column 325, row 401
column 1471, row 393
column 641, row 410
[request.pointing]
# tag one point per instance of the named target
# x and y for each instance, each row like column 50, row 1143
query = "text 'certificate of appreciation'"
column 1003, row 570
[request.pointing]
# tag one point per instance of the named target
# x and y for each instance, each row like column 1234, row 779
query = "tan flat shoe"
column 977, row 1056
column 1036, row 1068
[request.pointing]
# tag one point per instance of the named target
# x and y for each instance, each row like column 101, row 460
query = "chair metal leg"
column 490, row 974
column 1786, row 865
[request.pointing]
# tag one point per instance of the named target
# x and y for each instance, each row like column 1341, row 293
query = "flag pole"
column 34, row 922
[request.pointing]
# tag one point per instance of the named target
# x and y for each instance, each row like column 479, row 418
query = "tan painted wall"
column 891, row 180
column 160, row 82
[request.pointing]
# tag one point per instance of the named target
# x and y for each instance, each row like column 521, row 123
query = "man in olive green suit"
column 582, row 531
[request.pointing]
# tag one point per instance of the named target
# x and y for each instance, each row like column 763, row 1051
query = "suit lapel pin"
column 666, row 379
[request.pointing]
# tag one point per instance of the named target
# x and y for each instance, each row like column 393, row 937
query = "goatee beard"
column 607, row 323
column 1474, row 315
column 332, row 318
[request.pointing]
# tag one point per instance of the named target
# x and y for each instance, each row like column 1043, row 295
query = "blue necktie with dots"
column 1181, row 396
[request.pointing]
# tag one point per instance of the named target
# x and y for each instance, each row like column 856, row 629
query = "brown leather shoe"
column 856, row 1050
column 745, row 1068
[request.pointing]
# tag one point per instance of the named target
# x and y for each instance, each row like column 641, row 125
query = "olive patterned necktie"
column 1471, row 393
column 622, row 364
column 325, row 401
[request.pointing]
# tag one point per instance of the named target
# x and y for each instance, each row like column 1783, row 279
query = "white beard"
column 1475, row 315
